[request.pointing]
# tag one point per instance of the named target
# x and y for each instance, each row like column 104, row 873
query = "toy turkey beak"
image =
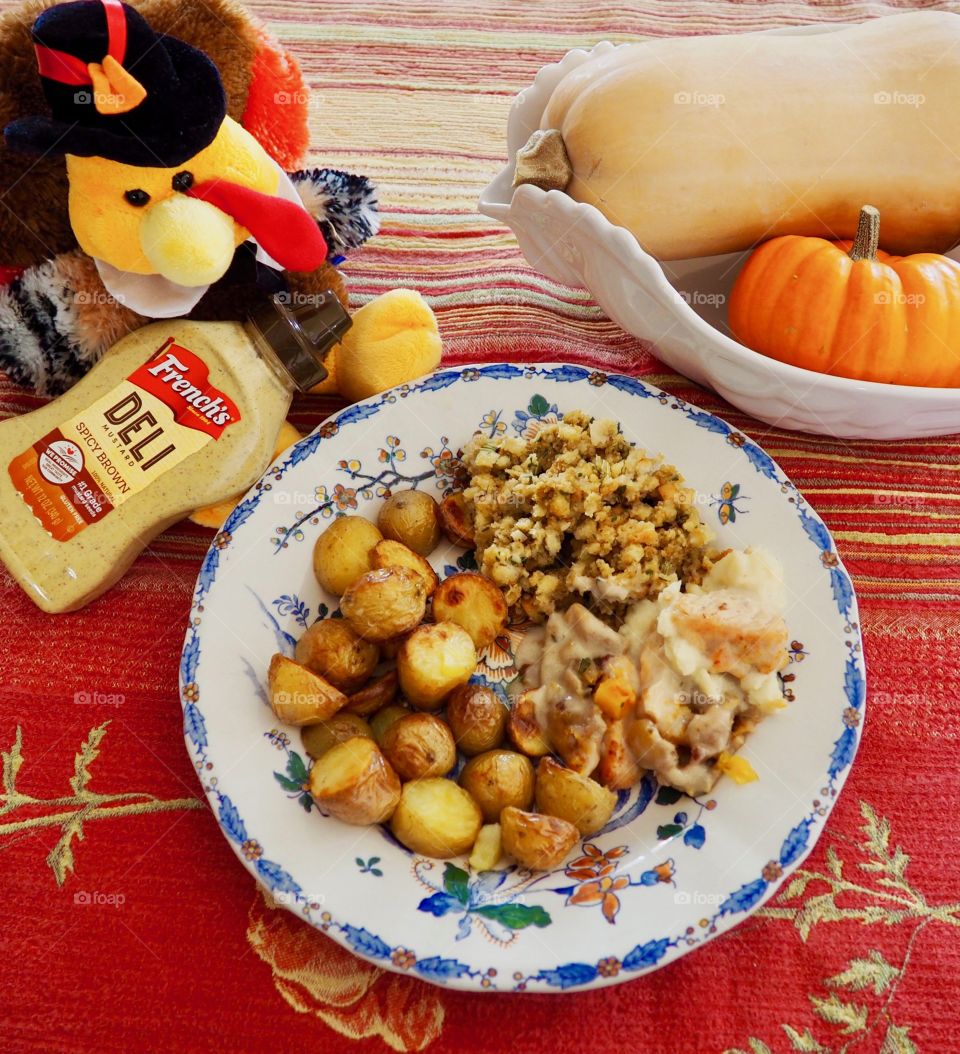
column 188, row 242
column 190, row 238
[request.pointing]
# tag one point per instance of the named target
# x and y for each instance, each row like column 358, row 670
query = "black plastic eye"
column 137, row 197
column 183, row 181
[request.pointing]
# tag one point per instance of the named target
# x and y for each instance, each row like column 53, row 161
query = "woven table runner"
column 127, row 926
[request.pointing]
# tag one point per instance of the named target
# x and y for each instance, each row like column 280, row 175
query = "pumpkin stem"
column 867, row 238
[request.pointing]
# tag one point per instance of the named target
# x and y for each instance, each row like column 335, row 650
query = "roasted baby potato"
column 385, row 603
column 487, row 849
column 332, row 649
column 524, row 730
column 455, row 520
column 534, row 840
column 318, row 739
column 419, row 746
column 354, row 782
column 435, row 817
column 342, row 553
column 411, row 517
column 476, row 717
column 578, row 799
column 374, row 696
column 473, row 602
column 496, row 779
column 389, row 553
column 299, row 696
column 433, row 660
column 384, row 718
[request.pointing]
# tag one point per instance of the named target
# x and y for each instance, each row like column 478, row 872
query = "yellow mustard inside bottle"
column 175, row 416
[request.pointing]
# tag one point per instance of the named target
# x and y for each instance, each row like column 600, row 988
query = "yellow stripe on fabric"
column 911, row 538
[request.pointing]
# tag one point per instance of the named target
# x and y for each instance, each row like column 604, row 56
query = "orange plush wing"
column 276, row 110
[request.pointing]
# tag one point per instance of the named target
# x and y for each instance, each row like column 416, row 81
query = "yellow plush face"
column 136, row 220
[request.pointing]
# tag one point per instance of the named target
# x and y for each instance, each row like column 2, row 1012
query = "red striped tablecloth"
column 181, row 953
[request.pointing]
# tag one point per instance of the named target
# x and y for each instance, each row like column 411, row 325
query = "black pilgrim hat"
column 118, row 90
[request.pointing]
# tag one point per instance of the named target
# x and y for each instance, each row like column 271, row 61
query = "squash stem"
column 867, row 238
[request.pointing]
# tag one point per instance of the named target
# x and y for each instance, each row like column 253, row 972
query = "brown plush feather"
column 34, row 225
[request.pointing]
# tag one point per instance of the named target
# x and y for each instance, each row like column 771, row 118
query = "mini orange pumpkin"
column 850, row 310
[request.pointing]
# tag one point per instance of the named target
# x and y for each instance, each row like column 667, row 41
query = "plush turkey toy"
column 144, row 175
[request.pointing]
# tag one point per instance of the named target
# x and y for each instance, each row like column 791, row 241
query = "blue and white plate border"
column 572, row 975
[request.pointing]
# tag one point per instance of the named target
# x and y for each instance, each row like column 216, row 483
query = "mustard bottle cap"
column 300, row 332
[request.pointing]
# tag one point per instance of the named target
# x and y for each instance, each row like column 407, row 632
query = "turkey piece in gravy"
column 694, row 673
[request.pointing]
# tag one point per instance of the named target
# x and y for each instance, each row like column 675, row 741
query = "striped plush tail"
column 345, row 206
column 56, row 320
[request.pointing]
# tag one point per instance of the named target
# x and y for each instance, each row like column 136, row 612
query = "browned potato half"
column 318, row 739
column 435, row 817
column 523, row 729
column 410, row 516
column 487, row 850
column 473, row 602
column 455, row 521
column 299, row 696
column 497, row 779
column 578, row 799
column 476, row 717
column 342, row 553
column 385, row 603
column 374, row 696
column 354, row 782
column 419, row 746
column 384, row 718
column 389, row 553
column 332, row 649
column 433, row 660
column 534, row 840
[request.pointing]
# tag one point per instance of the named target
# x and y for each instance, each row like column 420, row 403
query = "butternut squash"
column 708, row 145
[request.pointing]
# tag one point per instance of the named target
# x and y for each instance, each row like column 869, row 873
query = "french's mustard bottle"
column 175, row 416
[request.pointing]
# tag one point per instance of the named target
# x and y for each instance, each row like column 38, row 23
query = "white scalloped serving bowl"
column 680, row 306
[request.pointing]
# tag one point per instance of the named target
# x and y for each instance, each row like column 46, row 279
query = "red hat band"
column 68, row 69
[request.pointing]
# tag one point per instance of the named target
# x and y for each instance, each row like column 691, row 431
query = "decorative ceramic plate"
column 668, row 872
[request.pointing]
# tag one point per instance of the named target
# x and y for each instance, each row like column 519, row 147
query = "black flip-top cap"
column 301, row 330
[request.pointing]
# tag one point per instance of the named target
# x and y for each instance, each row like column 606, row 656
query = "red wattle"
column 284, row 229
